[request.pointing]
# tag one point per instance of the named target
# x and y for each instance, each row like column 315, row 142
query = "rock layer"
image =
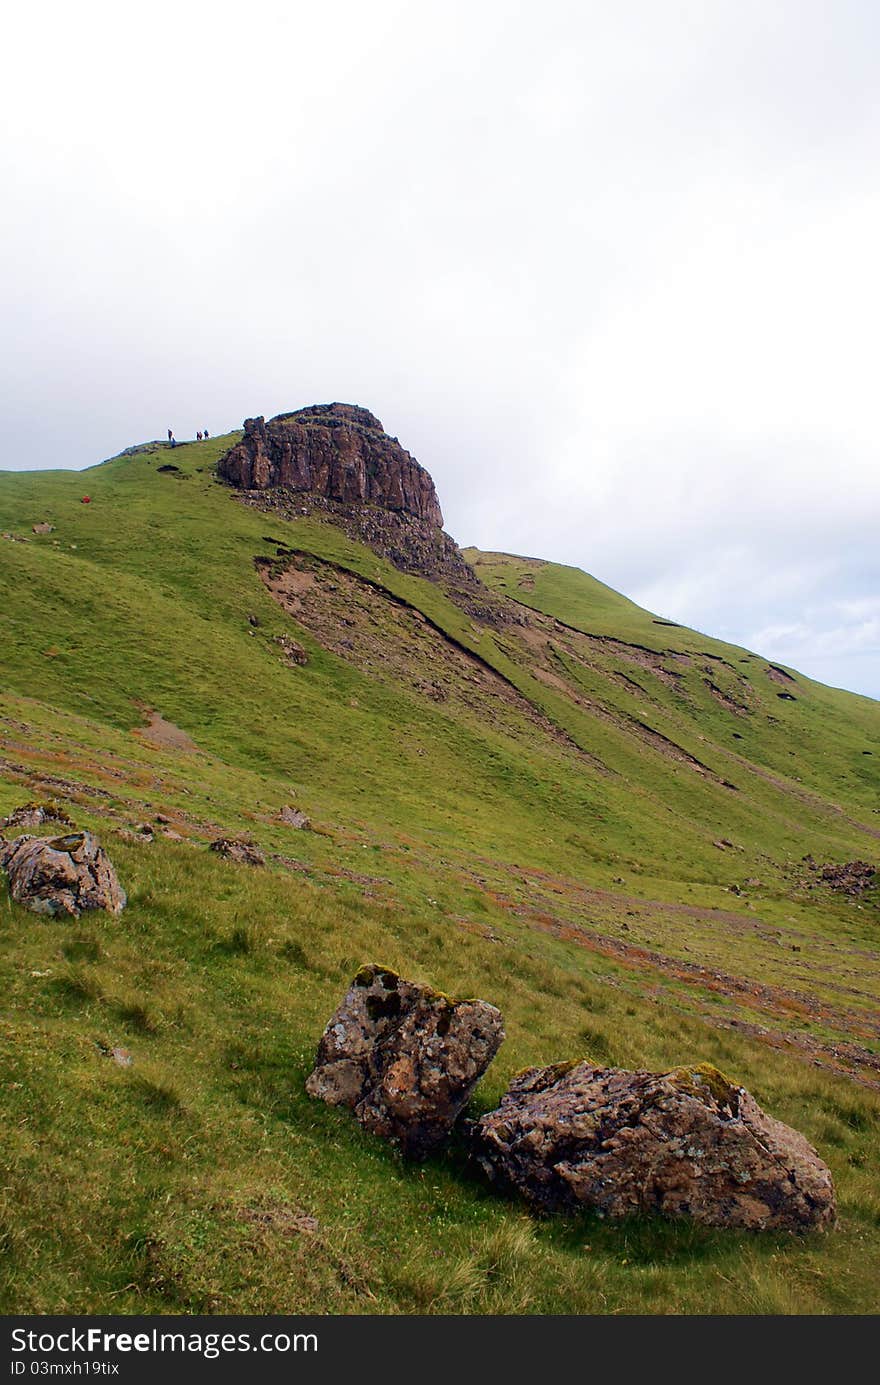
column 405, row 1058
column 62, row 875
column 683, row 1143
column 338, row 451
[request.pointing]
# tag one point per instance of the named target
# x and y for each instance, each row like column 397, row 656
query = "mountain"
column 644, row 845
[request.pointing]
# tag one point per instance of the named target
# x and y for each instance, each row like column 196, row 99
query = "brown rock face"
column 334, row 450
column 62, row 875
column 684, row 1143
column 404, row 1057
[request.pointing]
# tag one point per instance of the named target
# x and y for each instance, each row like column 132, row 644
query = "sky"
column 610, row 272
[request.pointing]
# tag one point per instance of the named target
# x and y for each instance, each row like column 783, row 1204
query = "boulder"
column 293, row 817
column 684, row 1143
column 62, row 875
column 404, row 1057
column 246, row 853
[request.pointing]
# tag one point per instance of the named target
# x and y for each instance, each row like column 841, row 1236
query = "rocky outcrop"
column 853, row 878
column 61, row 875
column 684, row 1143
column 245, row 853
column 34, row 815
column 338, row 451
column 405, row 1058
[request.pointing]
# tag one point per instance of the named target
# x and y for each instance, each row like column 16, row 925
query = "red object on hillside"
column 86, row 500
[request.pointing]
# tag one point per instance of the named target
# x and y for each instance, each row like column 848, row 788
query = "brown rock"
column 404, row 1057
column 292, row 817
column 62, row 875
column 851, row 877
column 293, row 650
column 125, row 834
column 35, row 815
column 335, row 450
column 246, row 853
column 43, row 528
column 683, row 1143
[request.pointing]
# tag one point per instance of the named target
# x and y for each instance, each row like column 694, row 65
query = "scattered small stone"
column 404, row 1057
column 276, row 1217
column 852, row 878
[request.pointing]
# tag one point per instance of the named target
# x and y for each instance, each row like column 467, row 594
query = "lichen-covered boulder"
column 62, row 875
column 405, row 1058
column 684, row 1143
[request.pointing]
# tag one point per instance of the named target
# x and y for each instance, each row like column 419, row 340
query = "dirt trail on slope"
column 164, row 734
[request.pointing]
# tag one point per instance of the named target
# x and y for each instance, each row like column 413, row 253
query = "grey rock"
column 62, row 875
column 404, row 1057
column 684, row 1143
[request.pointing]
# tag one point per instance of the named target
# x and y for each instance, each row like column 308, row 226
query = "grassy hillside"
column 593, row 819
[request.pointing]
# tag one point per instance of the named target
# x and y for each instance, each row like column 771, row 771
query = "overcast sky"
column 610, row 271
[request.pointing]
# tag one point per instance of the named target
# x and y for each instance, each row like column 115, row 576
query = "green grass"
column 133, row 1187
column 538, row 837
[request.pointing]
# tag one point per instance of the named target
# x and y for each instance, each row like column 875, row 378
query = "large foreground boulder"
column 62, row 875
column 405, row 1058
column 684, row 1143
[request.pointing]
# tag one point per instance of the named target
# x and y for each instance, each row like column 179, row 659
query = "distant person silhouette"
column 206, row 434
column 170, row 435
column 198, row 437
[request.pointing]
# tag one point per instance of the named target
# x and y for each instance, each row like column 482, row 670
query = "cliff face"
column 338, row 451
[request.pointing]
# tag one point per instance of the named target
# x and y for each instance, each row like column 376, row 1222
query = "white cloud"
column 610, row 272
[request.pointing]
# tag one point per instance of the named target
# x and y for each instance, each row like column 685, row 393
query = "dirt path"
column 165, row 734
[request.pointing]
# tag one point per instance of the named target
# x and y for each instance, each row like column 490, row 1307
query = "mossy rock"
column 703, row 1079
